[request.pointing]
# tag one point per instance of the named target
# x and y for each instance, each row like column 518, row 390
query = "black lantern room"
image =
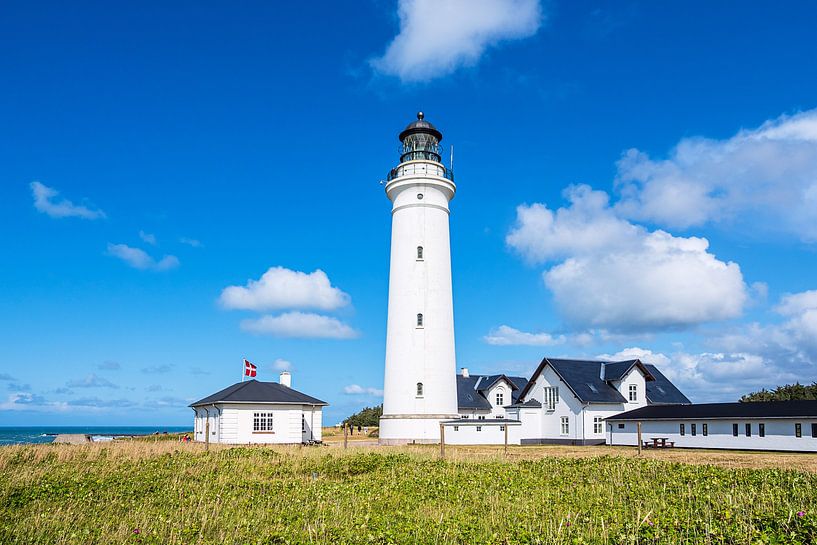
column 421, row 141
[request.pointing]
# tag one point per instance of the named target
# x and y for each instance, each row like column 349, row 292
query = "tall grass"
column 168, row 493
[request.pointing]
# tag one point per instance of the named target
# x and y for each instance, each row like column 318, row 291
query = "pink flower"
column 137, row 531
column 650, row 523
column 801, row 513
column 568, row 524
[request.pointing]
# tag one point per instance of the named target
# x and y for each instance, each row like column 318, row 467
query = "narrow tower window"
column 419, row 252
column 419, row 389
column 419, row 320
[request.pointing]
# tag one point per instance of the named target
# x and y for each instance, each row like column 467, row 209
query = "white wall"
column 623, row 386
column 488, row 435
column 779, row 434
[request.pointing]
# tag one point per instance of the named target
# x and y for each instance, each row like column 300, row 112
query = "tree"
column 783, row 393
column 370, row 416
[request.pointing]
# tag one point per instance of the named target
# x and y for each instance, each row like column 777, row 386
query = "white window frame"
column 550, row 397
column 598, row 425
column 500, row 398
column 420, row 389
column 420, row 320
column 479, row 428
column 420, row 253
column 633, row 393
column 262, row 422
column 564, row 425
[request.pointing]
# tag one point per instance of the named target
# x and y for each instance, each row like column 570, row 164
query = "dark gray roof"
column 529, row 403
column 617, row 369
column 764, row 409
column 470, row 390
column 661, row 391
column 421, row 125
column 253, row 391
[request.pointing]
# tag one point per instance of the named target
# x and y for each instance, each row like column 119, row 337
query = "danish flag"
column 249, row 369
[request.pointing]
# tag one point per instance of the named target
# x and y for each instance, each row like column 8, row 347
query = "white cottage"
column 259, row 412
column 769, row 425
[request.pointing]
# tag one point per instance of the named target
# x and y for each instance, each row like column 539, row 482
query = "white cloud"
column 45, row 201
column 91, row 381
column 634, row 352
column 618, row 276
column 505, row 335
column 281, row 364
column 281, row 288
column 147, row 237
column 355, row 389
column 191, row 242
column 764, row 178
column 139, row 259
column 438, row 36
column 303, row 325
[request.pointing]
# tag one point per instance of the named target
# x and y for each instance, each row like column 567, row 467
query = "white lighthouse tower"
column 420, row 381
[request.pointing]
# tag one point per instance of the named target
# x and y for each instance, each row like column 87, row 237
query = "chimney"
column 286, row 379
column 464, row 372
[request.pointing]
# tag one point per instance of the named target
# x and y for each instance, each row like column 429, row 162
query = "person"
column 359, row 428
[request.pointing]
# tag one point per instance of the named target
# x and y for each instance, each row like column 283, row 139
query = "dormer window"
column 500, row 399
column 633, row 393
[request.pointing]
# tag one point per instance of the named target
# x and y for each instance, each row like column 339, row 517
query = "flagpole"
column 243, row 368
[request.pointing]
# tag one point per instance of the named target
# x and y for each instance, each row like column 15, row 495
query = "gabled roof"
column 531, row 403
column 764, row 409
column 661, row 391
column 590, row 381
column 254, row 391
column 471, row 390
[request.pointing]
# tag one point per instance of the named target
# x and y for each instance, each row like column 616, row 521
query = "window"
column 621, row 426
column 633, row 392
column 813, row 429
column 551, row 397
column 682, row 432
column 565, row 425
column 465, row 417
column 303, row 424
column 798, row 430
column 481, row 417
column 694, row 429
column 419, row 320
column 761, row 430
column 500, row 416
column 598, row 427
column 748, row 430
column 500, row 398
column 456, row 428
column 419, row 253
column 705, row 429
column 419, row 389
column 479, row 428
column 501, row 428
column 262, row 422
column 735, row 430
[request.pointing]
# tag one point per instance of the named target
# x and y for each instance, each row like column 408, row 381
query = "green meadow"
column 165, row 493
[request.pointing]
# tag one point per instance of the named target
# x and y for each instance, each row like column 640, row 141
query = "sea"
column 46, row 434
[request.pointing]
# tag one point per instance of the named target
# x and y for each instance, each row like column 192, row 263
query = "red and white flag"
column 249, row 369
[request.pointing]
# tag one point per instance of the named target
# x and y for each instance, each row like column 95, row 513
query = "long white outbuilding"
column 771, row 425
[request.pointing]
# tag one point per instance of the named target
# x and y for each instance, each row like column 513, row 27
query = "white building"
column 419, row 386
column 484, row 397
column 259, row 412
column 770, row 425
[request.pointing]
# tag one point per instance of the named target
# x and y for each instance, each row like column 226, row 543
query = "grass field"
column 165, row 492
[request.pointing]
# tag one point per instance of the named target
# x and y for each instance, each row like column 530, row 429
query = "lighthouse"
column 420, row 379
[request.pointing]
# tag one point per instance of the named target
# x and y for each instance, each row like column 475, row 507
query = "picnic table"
column 659, row 442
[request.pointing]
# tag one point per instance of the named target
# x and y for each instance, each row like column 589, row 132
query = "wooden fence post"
column 442, row 441
column 506, row 439
column 345, row 436
column 207, row 433
column 638, row 425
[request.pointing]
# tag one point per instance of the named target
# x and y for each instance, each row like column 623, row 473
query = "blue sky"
column 635, row 179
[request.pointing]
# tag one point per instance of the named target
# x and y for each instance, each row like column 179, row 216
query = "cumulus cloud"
column 281, row 288
column 356, row 389
column 281, row 364
column 634, row 352
column 438, row 36
column 25, row 401
column 302, row 325
column 505, row 335
column 91, row 381
column 191, row 242
column 139, row 259
column 45, row 200
column 763, row 177
column 6, row 376
column 147, row 237
column 614, row 275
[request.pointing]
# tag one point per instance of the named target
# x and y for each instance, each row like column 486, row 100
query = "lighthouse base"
column 406, row 429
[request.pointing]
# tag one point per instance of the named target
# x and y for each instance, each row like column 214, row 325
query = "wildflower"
column 650, row 523
column 801, row 514
column 137, row 531
column 568, row 523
